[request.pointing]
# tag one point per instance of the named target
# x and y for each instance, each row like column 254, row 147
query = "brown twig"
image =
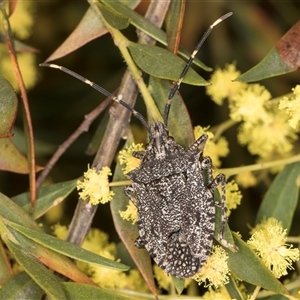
column 26, row 112
column 83, row 127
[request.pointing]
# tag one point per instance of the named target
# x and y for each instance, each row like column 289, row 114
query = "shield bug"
column 173, row 190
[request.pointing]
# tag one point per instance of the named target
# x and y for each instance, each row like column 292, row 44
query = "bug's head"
column 160, row 141
column 158, row 131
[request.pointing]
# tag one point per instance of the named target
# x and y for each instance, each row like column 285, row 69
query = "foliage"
column 33, row 253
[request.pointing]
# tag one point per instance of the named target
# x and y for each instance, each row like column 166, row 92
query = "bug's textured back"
column 176, row 210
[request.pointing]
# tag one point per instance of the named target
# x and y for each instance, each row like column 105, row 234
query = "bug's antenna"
column 189, row 63
column 101, row 90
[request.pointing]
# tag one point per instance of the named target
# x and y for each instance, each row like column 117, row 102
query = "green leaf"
column 67, row 248
column 282, row 59
column 246, row 266
column 11, row 211
column 21, row 286
column 174, row 22
column 38, row 272
column 83, row 292
column 5, row 264
column 11, row 159
column 47, row 197
column 89, row 28
column 8, row 107
column 162, row 63
column 146, row 26
column 113, row 18
column 179, row 122
column 53, row 260
column 281, row 199
column 128, row 232
column 233, row 290
column 178, row 284
column 272, row 65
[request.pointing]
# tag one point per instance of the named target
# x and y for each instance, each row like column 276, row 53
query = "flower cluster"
column 95, row 186
column 267, row 131
column 268, row 240
column 215, row 271
column 291, row 106
column 130, row 214
column 233, row 196
column 126, row 158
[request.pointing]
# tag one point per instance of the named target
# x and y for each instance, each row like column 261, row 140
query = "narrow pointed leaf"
column 162, row 63
column 246, row 266
column 21, row 286
column 272, row 65
column 174, row 24
column 178, row 284
column 84, row 291
column 47, row 257
column 113, row 18
column 39, row 273
column 233, row 290
column 283, row 58
column 5, row 265
column 8, row 107
column 146, row 26
column 281, row 199
column 89, row 28
column 67, row 248
column 11, row 211
column 47, row 197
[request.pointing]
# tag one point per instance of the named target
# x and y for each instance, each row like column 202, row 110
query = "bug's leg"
column 129, row 192
column 139, row 243
column 138, row 154
column 221, row 180
column 198, row 145
column 206, row 167
column 213, row 183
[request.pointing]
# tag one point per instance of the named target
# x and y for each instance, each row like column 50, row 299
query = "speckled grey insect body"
column 176, row 206
column 173, row 190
